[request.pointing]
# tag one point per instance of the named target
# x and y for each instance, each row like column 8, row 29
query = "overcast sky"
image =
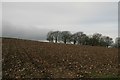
column 32, row 20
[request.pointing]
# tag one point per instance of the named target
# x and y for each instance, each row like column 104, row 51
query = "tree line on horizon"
column 81, row 38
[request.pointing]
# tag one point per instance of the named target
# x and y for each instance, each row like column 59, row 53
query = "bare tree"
column 96, row 39
column 84, row 39
column 107, row 41
column 65, row 36
column 117, row 42
column 50, row 36
column 56, row 35
column 81, row 38
column 74, row 37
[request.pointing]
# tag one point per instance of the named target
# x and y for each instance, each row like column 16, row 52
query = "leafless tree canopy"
column 81, row 38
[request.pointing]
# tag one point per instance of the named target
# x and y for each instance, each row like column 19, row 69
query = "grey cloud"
column 10, row 30
column 31, row 19
column 62, row 13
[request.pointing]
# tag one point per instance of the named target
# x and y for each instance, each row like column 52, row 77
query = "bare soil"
column 33, row 59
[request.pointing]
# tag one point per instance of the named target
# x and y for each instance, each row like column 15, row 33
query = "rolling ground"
column 33, row 59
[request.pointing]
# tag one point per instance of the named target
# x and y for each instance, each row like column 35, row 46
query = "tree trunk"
column 74, row 41
column 56, row 40
column 65, row 41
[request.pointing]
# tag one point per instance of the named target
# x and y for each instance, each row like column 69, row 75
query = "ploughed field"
column 33, row 59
